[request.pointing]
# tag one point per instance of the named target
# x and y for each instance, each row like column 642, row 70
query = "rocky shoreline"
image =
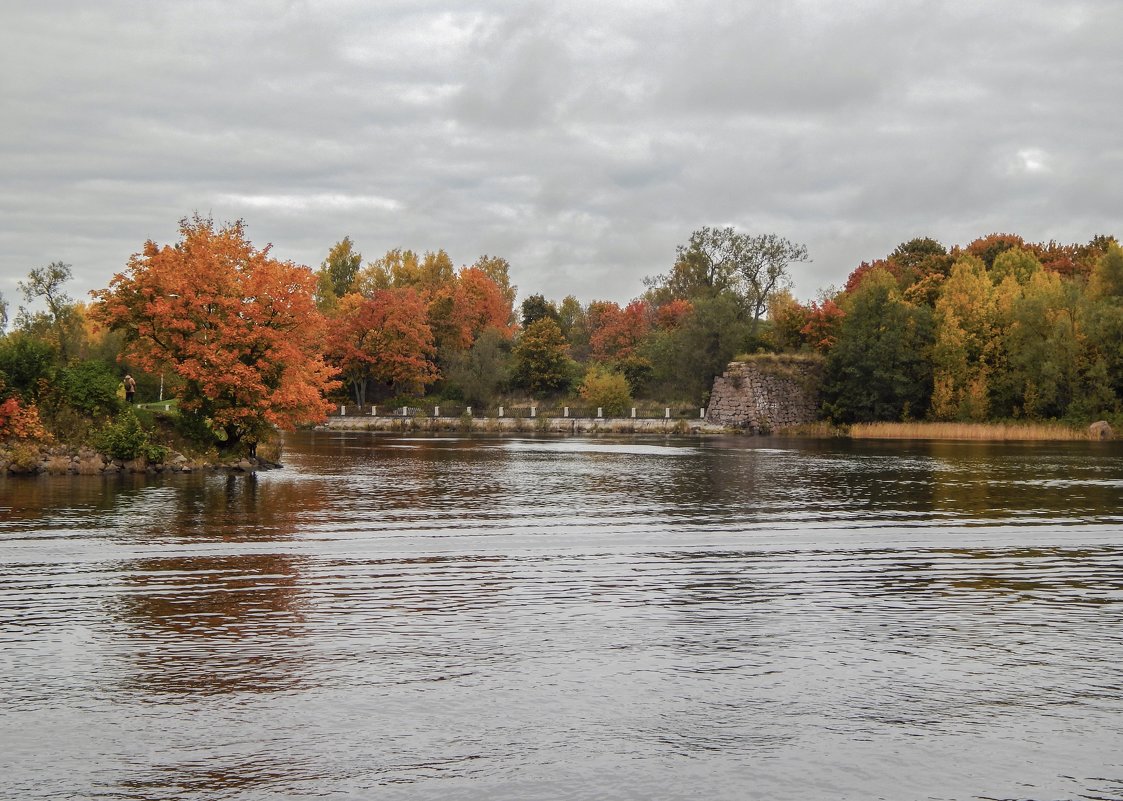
column 84, row 461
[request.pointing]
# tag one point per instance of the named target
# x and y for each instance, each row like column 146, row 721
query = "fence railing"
column 639, row 412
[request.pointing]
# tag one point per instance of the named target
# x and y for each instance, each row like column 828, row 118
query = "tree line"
column 999, row 328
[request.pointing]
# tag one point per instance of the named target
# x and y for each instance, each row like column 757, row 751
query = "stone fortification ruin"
column 767, row 393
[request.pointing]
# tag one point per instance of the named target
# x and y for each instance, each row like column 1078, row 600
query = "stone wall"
column 767, row 393
column 541, row 424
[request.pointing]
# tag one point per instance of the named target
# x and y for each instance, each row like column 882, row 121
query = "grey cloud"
column 582, row 141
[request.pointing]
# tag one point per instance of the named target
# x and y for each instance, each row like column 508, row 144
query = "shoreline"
column 948, row 432
column 544, row 425
column 59, row 460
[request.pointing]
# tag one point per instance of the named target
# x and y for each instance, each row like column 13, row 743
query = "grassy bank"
column 995, row 432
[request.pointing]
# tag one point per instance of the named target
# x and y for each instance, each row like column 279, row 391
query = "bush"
column 606, row 389
column 89, row 387
column 26, row 362
column 123, row 439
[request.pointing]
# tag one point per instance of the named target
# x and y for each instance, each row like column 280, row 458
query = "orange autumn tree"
column 383, row 338
column 240, row 328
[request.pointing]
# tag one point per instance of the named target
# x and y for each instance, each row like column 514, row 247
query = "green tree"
column 535, row 308
column 1107, row 275
column 573, row 320
column 878, row 369
column 481, row 373
column 1047, row 347
column 337, row 273
column 59, row 323
column 541, row 355
column 89, row 387
column 685, row 359
column 1017, row 262
column 26, row 362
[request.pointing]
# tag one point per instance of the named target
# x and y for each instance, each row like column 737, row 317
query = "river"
column 481, row 617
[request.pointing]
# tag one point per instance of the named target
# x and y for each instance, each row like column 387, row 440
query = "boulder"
column 1101, row 430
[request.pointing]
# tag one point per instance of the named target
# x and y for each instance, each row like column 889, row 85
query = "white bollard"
column 374, row 411
column 565, row 411
column 342, row 411
column 633, row 412
column 702, row 412
column 667, row 412
column 600, row 412
column 500, row 411
column 533, row 411
column 436, row 411
column 468, row 411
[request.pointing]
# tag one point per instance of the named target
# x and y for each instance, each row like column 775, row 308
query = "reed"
column 1001, row 432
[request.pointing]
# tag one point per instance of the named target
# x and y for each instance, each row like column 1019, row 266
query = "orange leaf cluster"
column 19, row 421
column 240, row 328
column 614, row 333
column 384, row 336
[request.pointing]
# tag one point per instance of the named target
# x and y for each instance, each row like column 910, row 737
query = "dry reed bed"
column 1022, row 432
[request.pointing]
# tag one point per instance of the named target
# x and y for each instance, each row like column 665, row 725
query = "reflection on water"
column 589, row 618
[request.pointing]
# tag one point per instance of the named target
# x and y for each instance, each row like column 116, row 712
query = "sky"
column 581, row 140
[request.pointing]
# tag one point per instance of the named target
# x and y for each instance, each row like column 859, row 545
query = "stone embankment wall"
column 542, row 424
column 767, row 393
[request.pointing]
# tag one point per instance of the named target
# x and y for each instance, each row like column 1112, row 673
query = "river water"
column 520, row 618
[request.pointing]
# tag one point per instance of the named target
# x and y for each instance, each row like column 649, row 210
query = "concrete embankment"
column 547, row 425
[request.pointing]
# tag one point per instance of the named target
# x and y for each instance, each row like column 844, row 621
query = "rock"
column 1101, row 430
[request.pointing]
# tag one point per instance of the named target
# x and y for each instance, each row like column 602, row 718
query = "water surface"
column 538, row 618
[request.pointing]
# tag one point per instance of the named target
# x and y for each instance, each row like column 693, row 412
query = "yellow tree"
column 964, row 342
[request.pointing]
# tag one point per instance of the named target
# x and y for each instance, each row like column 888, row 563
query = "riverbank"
column 992, row 432
column 30, row 459
column 543, row 424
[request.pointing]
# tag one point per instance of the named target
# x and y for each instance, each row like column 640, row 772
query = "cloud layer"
column 581, row 140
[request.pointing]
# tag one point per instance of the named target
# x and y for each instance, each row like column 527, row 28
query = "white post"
column 633, row 412
column 342, row 411
column 702, row 412
column 500, row 411
column 533, row 411
column 565, row 411
column 667, row 412
column 436, row 411
column 600, row 412
column 468, row 411
column 374, row 411
column 167, row 407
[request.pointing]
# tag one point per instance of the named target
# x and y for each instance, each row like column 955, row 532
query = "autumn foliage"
column 19, row 420
column 239, row 328
column 384, row 337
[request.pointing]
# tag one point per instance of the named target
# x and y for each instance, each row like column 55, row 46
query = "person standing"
column 130, row 388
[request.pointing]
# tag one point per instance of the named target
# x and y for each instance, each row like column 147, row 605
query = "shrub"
column 89, row 387
column 123, row 439
column 606, row 389
column 18, row 421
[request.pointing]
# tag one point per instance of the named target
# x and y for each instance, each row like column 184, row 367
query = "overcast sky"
column 582, row 140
